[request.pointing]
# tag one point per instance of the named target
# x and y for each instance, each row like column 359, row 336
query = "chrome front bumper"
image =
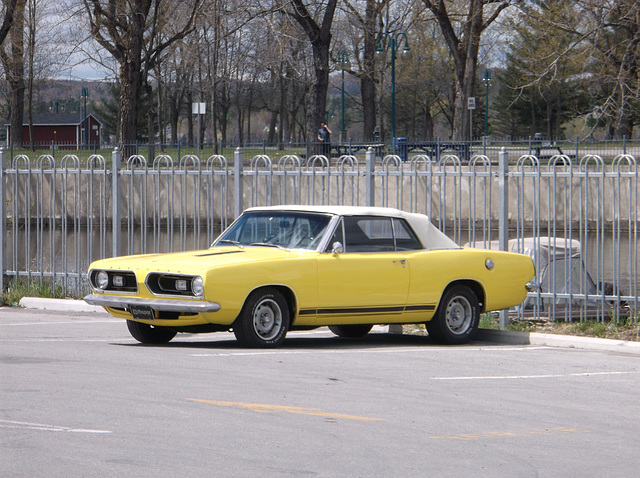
column 161, row 305
column 532, row 286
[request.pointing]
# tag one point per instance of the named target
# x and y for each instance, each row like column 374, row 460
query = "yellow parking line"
column 262, row 408
column 514, row 433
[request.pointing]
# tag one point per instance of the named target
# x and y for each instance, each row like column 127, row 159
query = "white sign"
column 198, row 108
column 471, row 102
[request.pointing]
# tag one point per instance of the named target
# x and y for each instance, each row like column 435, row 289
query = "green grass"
column 174, row 152
column 20, row 287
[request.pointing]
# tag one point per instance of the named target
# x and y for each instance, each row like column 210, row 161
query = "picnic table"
column 343, row 149
column 434, row 149
column 539, row 148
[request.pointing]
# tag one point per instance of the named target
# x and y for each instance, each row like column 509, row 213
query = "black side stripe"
column 367, row 310
column 411, row 308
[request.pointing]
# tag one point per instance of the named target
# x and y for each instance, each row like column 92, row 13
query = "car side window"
column 374, row 234
column 406, row 240
column 338, row 236
column 368, row 234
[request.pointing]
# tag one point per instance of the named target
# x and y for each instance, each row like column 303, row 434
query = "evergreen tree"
column 541, row 88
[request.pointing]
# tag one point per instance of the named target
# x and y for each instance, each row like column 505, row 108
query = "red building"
column 65, row 130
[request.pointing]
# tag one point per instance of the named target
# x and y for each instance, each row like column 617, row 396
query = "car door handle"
column 401, row 261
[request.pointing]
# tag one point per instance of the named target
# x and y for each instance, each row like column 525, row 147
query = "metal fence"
column 577, row 217
column 435, row 148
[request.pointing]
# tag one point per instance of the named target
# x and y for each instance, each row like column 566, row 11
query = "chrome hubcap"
column 459, row 315
column 267, row 319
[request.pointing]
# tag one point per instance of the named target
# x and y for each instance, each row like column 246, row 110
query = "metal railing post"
column 116, row 198
column 503, row 215
column 238, row 203
column 370, row 191
column 3, row 217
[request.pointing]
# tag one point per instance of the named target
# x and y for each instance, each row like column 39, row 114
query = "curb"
column 59, row 305
column 504, row 337
column 564, row 341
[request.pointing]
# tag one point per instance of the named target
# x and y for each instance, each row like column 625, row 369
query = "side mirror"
column 337, row 248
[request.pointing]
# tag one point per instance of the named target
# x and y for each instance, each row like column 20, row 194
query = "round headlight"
column 102, row 280
column 197, row 286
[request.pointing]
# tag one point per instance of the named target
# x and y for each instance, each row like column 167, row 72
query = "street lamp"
column 56, row 105
column 84, row 96
column 381, row 55
column 486, row 79
column 343, row 58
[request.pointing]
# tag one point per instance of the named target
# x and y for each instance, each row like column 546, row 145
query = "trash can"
column 402, row 148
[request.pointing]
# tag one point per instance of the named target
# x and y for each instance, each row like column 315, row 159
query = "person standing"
column 324, row 136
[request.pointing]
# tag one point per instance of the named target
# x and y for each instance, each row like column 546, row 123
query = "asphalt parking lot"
column 80, row 397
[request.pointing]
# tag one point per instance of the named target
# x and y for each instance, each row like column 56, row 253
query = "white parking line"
column 18, row 324
column 377, row 350
column 47, row 428
column 526, row 377
column 69, row 339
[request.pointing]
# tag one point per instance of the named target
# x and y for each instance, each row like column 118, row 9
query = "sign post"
column 198, row 109
column 471, row 105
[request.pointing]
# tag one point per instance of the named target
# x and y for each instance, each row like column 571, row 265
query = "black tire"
column 457, row 319
column 264, row 319
column 351, row 331
column 148, row 334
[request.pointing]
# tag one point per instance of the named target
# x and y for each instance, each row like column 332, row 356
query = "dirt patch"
column 603, row 330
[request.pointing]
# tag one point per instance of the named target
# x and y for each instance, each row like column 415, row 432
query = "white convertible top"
column 429, row 235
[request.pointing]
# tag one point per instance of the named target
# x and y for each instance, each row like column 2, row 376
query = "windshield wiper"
column 229, row 241
column 266, row 244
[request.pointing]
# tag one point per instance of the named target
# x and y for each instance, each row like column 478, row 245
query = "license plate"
column 142, row 312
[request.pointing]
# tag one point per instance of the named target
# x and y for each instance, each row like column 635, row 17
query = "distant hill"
column 70, row 90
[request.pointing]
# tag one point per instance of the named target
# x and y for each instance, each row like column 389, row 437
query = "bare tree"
column 367, row 28
column 12, row 56
column 463, row 40
column 613, row 30
column 604, row 42
column 319, row 34
column 131, row 32
column 8, row 8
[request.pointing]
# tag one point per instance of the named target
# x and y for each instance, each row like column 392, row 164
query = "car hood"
column 198, row 261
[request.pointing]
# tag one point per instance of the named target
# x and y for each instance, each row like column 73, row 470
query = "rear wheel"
column 148, row 334
column 264, row 320
column 351, row 331
column 458, row 316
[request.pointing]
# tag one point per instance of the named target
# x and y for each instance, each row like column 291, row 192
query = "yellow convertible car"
column 285, row 268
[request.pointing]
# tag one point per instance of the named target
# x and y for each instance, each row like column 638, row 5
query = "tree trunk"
column 428, row 122
column 320, row 38
column 190, row 140
column 623, row 123
column 367, row 79
column 13, row 63
column 320, row 86
column 466, row 73
column 464, row 51
column 150, row 114
column 130, row 88
column 174, row 117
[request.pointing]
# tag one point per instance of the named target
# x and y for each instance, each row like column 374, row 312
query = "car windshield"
column 289, row 230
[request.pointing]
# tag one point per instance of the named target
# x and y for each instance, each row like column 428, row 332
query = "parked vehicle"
column 284, row 268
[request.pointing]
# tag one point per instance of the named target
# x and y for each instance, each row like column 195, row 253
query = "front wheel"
column 351, row 331
column 457, row 319
column 264, row 319
column 148, row 334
